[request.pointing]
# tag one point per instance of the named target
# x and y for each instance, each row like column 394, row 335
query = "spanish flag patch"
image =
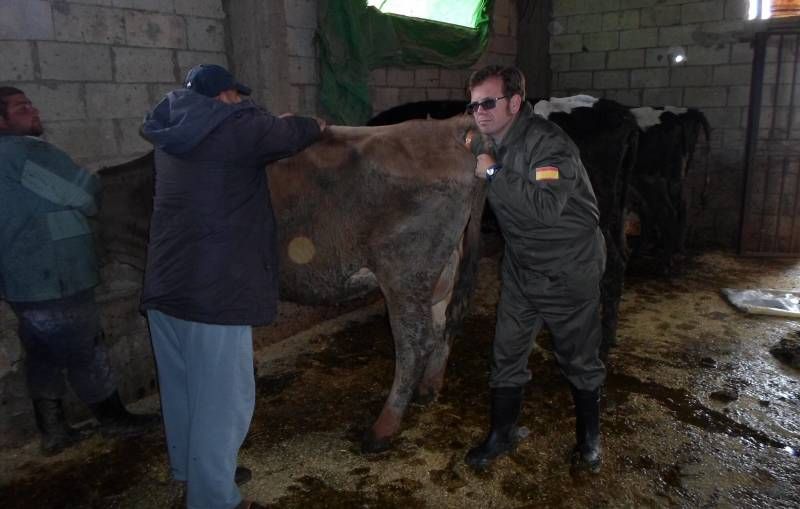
column 547, row 173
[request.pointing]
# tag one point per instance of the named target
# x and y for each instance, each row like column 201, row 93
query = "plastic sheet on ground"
column 765, row 301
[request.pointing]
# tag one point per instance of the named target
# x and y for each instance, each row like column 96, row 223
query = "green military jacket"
column 46, row 248
column 543, row 198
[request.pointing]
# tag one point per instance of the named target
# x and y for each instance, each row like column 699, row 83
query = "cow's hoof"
column 370, row 444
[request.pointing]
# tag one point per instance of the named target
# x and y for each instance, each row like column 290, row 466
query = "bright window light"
column 456, row 12
column 752, row 9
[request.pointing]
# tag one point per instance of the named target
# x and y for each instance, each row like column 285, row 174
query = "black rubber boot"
column 57, row 435
column 502, row 438
column 115, row 420
column 587, row 453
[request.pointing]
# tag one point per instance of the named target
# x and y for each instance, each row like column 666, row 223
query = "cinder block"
column 301, row 13
column 130, row 141
column 145, row 5
column 399, row 77
column 438, row 94
column 377, row 77
column 26, row 20
column 603, row 5
column 629, row 58
column 611, row 79
column 454, row 78
column 116, row 100
column 426, row 77
column 74, row 62
column 738, row 96
column 561, row 62
column 590, row 61
column 575, row 80
column 300, row 42
column 601, row 41
column 660, row 16
column 410, row 95
column 88, row 23
column 189, row 59
column 663, row 97
column 703, row 97
column 384, row 98
column 569, row 7
column 501, row 25
column 155, row 30
column 17, row 60
column 650, row 78
column 732, row 75
column 570, row 43
column 205, row 34
column 702, row 11
column 682, row 34
column 720, row 118
column 583, row 23
column 628, row 97
column 636, row 4
column 656, row 57
column 735, row 9
column 641, row 38
column 691, row 76
column 83, row 140
column 303, row 71
column 58, row 101
column 157, row 91
column 201, row 8
column 132, row 65
column 741, row 53
column 624, row 20
column 702, row 55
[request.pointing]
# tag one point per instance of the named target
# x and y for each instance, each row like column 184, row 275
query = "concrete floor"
column 697, row 412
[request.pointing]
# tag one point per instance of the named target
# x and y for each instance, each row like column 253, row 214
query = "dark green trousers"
column 568, row 303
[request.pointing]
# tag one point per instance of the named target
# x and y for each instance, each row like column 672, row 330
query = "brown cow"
column 395, row 207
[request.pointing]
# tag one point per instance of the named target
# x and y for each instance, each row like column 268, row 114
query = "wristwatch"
column 492, row 170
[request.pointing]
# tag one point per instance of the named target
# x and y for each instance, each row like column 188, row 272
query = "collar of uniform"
column 517, row 129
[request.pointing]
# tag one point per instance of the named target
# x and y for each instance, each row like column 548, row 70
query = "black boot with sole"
column 587, row 453
column 116, row 421
column 502, row 438
column 57, row 435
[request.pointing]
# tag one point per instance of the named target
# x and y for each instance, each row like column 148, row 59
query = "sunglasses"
column 487, row 104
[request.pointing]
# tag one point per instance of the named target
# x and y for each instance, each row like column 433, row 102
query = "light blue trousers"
column 205, row 377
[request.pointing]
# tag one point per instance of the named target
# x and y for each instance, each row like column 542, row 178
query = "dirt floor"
column 696, row 413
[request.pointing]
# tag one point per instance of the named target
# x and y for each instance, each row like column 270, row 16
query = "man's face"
column 22, row 118
column 494, row 122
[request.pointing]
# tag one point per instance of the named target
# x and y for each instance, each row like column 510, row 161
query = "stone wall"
column 621, row 50
column 94, row 67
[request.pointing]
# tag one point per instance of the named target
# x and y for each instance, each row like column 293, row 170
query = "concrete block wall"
column 621, row 50
column 390, row 86
column 94, row 67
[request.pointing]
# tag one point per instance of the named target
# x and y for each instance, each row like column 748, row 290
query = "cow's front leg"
column 410, row 318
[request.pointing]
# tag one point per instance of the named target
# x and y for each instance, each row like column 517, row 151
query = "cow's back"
column 363, row 196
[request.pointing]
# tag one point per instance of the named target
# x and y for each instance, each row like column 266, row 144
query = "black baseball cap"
column 211, row 79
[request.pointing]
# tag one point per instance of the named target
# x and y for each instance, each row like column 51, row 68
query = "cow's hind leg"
column 410, row 317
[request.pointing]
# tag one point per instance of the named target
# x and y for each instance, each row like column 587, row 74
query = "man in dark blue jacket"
column 212, row 268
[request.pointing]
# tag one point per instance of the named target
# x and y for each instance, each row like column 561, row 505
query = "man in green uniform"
column 554, row 259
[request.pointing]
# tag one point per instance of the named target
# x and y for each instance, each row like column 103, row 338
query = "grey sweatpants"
column 205, row 377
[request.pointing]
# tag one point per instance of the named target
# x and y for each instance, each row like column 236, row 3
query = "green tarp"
column 354, row 38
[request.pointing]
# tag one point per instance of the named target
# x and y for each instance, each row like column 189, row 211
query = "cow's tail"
column 466, row 275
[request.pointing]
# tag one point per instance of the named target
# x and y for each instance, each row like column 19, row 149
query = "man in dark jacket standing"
column 554, row 259
column 48, row 272
column 212, row 268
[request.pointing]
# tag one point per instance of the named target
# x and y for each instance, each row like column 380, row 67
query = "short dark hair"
column 7, row 92
column 512, row 78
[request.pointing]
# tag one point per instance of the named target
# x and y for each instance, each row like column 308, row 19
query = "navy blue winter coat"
column 212, row 252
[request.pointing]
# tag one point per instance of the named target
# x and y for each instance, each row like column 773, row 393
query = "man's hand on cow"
column 484, row 161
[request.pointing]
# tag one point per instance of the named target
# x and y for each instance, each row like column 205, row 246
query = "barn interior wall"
column 622, row 49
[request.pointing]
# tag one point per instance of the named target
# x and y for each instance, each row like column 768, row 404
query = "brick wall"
column 620, row 49
column 94, row 67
